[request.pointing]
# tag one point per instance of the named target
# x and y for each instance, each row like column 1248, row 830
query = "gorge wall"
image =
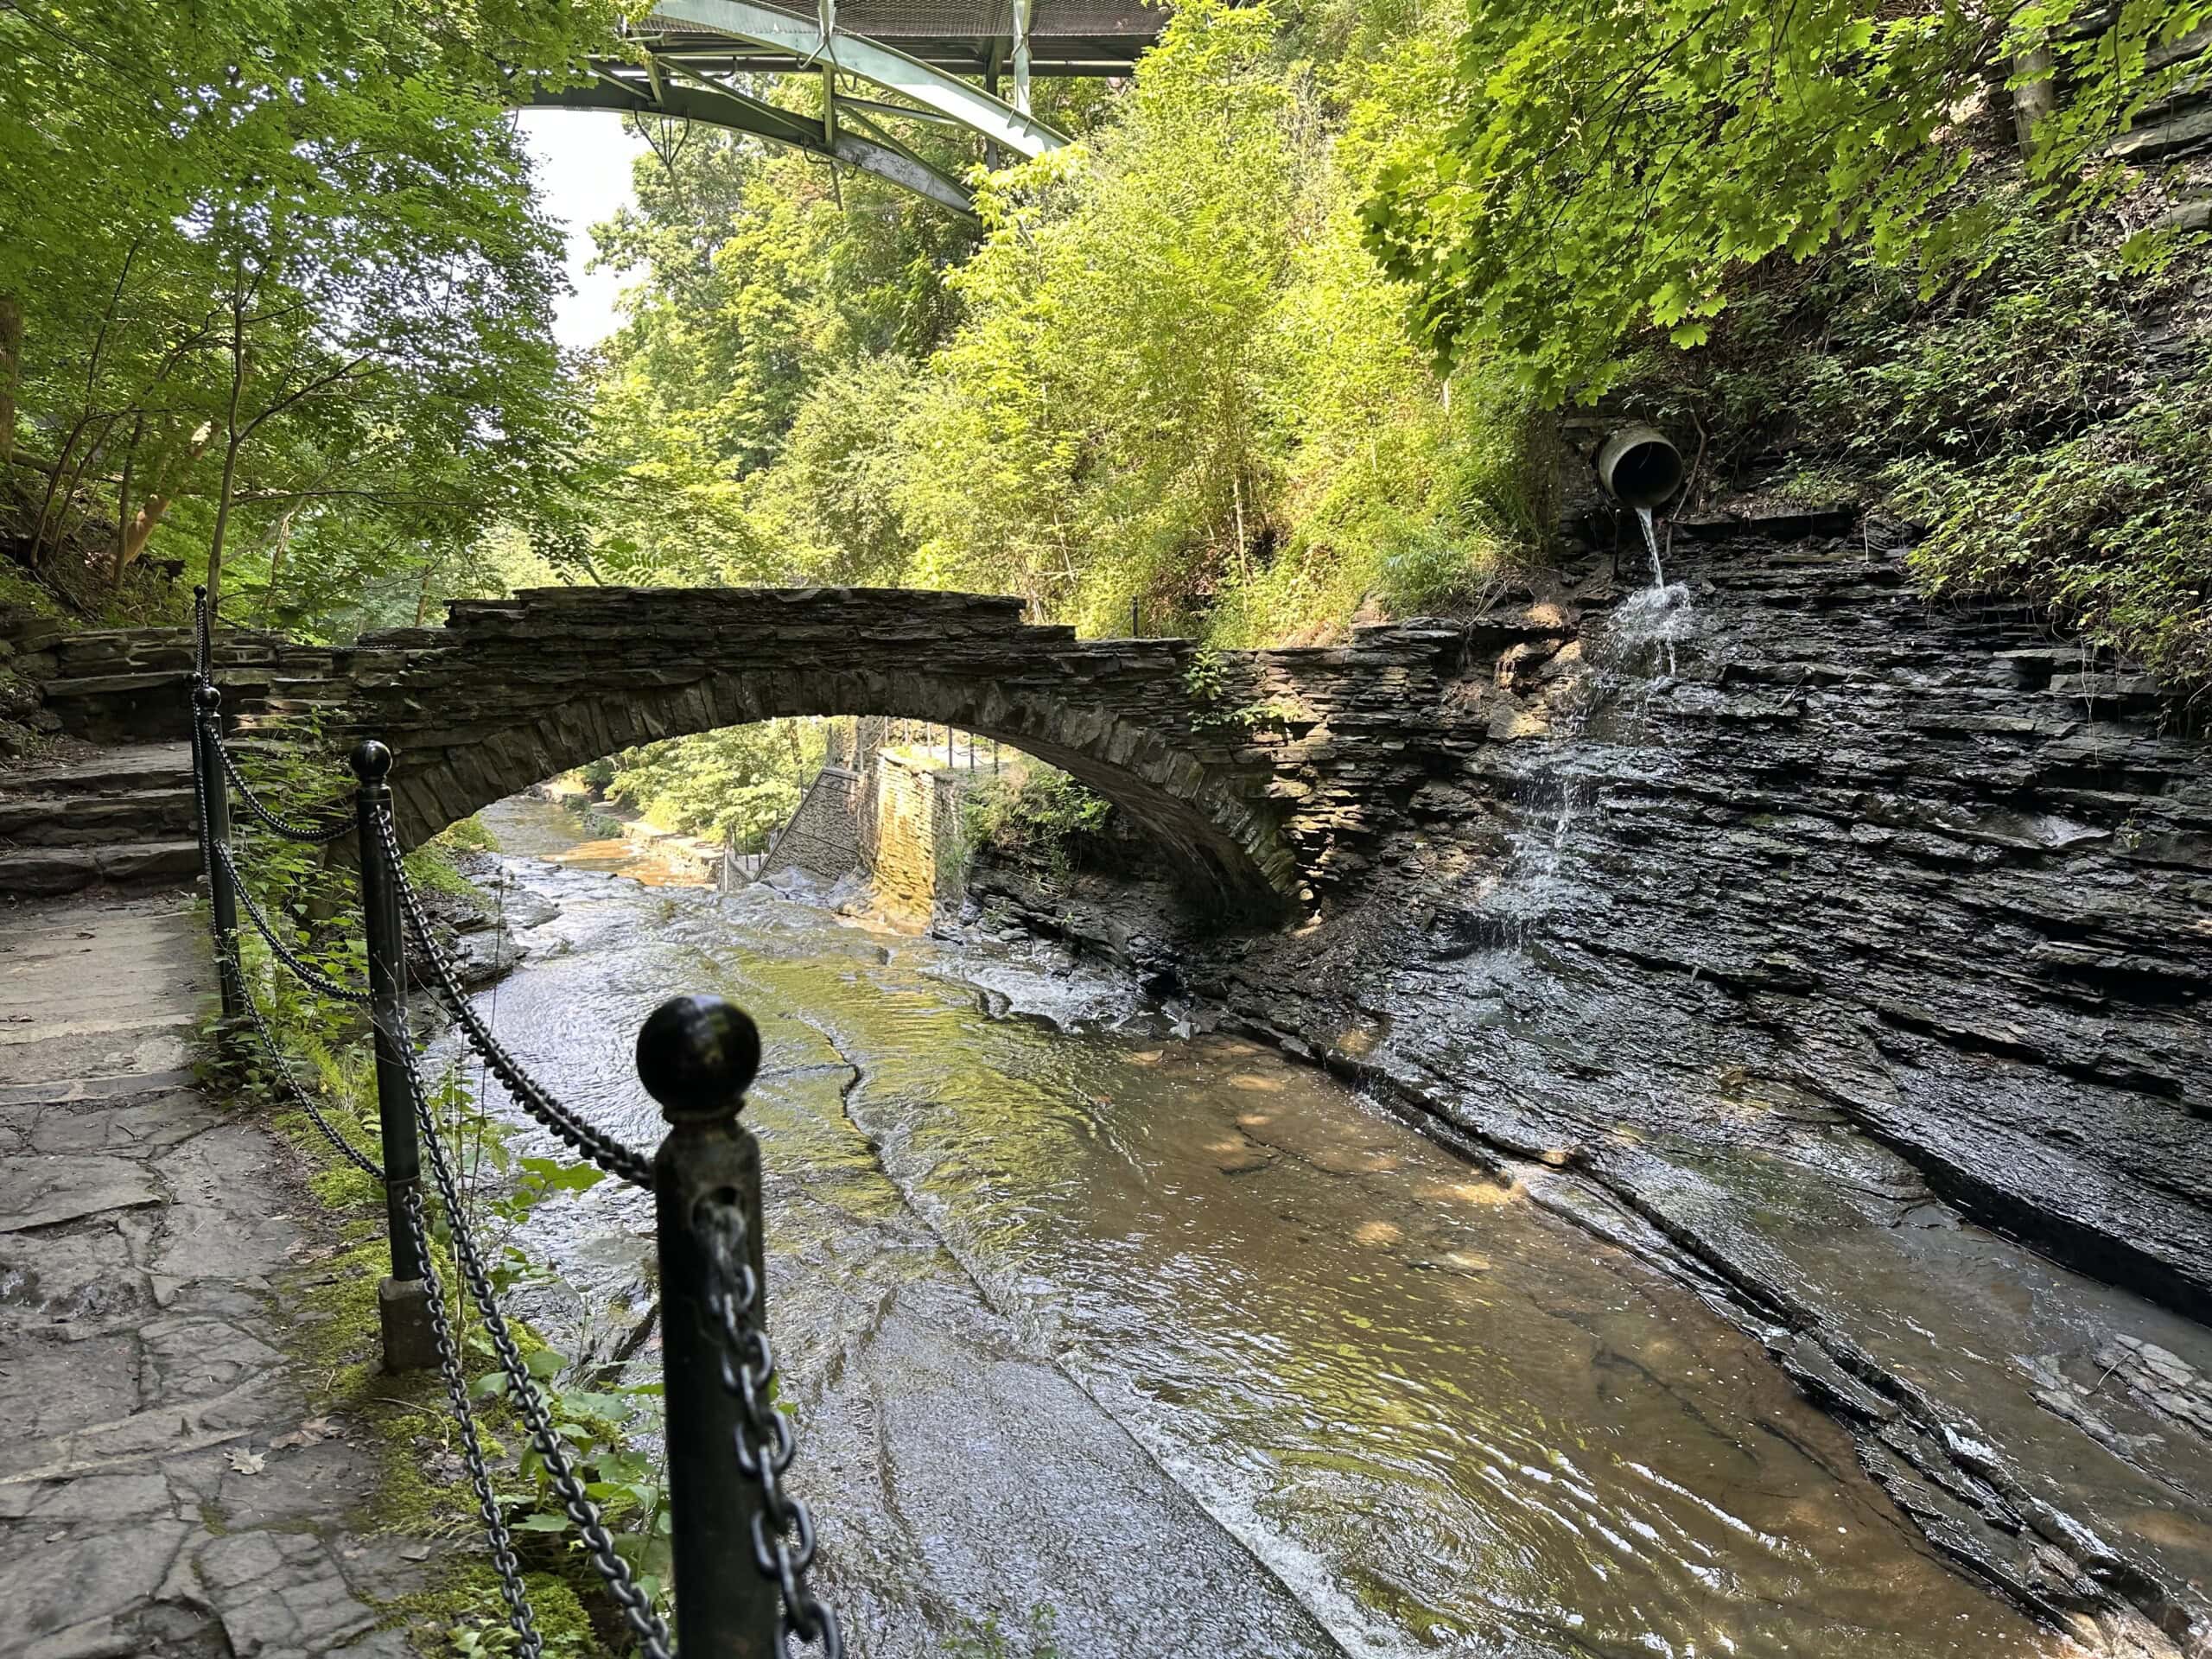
column 1809, row 925
column 1785, row 837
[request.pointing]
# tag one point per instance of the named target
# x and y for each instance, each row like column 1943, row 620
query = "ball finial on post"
column 371, row 760
column 207, row 697
column 696, row 1056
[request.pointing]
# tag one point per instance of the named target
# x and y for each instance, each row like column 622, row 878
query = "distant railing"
column 696, row 1055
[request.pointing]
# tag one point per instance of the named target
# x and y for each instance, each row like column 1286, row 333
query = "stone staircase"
column 124, row 815
column 121, row 815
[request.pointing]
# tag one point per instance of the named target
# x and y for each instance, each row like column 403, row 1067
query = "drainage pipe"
column 1639, row 467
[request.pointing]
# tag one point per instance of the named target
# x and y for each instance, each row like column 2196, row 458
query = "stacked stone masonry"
column 1262, row 807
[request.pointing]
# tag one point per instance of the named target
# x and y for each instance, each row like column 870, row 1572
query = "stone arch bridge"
column 1262, row 772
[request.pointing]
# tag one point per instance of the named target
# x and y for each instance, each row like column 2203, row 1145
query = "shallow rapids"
column 1120, row 1343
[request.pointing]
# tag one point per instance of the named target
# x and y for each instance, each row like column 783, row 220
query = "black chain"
column 281, row 826
column 595, row 1143
column 763, row 1441
column 636, row 1607
column 763, row 1438
column 528, row 1643
column 313, row 977
column 283, row 1067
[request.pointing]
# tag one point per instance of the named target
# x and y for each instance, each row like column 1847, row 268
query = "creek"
column 1108, row 1337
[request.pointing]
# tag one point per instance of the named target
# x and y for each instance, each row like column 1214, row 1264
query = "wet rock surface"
column 480, row 931
column 164, row 1490
column 1819, row 929
column 1087, row 1322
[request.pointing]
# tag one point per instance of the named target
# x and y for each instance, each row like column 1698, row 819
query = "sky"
column 584, row 173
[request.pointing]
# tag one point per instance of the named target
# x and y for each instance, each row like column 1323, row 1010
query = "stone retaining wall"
column 897, row 823
column 823, row 836
column 912, row 842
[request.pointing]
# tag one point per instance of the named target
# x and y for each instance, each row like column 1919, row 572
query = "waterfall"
column 1597, row 719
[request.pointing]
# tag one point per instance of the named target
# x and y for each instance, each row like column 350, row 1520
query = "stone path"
column 164, row 1488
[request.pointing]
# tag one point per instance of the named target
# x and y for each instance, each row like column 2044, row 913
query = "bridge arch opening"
column 1122, row 728
column 869, row 813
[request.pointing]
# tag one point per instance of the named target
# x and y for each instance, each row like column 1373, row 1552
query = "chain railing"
column 742, row 1543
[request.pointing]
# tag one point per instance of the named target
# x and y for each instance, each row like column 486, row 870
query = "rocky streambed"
column 1842, row 957
column 1109, row 1335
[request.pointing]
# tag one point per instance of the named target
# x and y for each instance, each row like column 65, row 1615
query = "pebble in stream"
column 1135, row 1345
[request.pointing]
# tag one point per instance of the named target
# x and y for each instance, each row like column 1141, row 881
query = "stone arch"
column 1215, row 820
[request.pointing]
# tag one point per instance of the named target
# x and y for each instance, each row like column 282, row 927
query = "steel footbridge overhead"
column 883, row 64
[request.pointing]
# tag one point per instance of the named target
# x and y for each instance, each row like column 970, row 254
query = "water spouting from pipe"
column 1651, row 540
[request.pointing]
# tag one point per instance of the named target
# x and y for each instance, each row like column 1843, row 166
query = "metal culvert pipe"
column 1639, row 467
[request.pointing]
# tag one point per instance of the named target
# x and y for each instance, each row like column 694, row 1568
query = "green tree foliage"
column 1182, row 381
column 774, row 306
column 1169, row 374
column 742, row 784
column 1591, row 172
column 1040, row 812
column 279, row 299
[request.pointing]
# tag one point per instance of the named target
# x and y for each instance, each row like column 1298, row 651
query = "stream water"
column 1118, row 1343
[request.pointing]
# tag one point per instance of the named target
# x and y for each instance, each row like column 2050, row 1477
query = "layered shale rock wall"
column 1777, row 907
column 1783, row 832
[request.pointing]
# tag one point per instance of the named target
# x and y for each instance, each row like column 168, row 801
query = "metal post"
column 696, row 1055
column 403, row 1301
column 994, row 157
column 1136, row 620
column 1021, row 15
column 215, row 832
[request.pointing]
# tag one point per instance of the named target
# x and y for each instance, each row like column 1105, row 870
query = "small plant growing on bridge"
column 1208, row 679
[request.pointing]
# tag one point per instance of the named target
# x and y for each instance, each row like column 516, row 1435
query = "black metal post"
column 403, row 1301
column 696, row 1056
column 214, row 833
column 1136, row 620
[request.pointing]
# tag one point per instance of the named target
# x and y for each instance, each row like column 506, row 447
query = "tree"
column 267, row 262
column 770, row 296
column 1171, row 374
column 1586, row 173
column 1105, row 395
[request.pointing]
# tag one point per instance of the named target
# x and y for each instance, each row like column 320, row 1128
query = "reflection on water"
column 558, row 834
column 1379, row 1403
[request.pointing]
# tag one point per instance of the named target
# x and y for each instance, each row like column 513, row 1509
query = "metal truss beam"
column 653, row 90
column 807, row 38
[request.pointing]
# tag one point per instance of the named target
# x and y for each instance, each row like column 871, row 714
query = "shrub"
column 1042, row 813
